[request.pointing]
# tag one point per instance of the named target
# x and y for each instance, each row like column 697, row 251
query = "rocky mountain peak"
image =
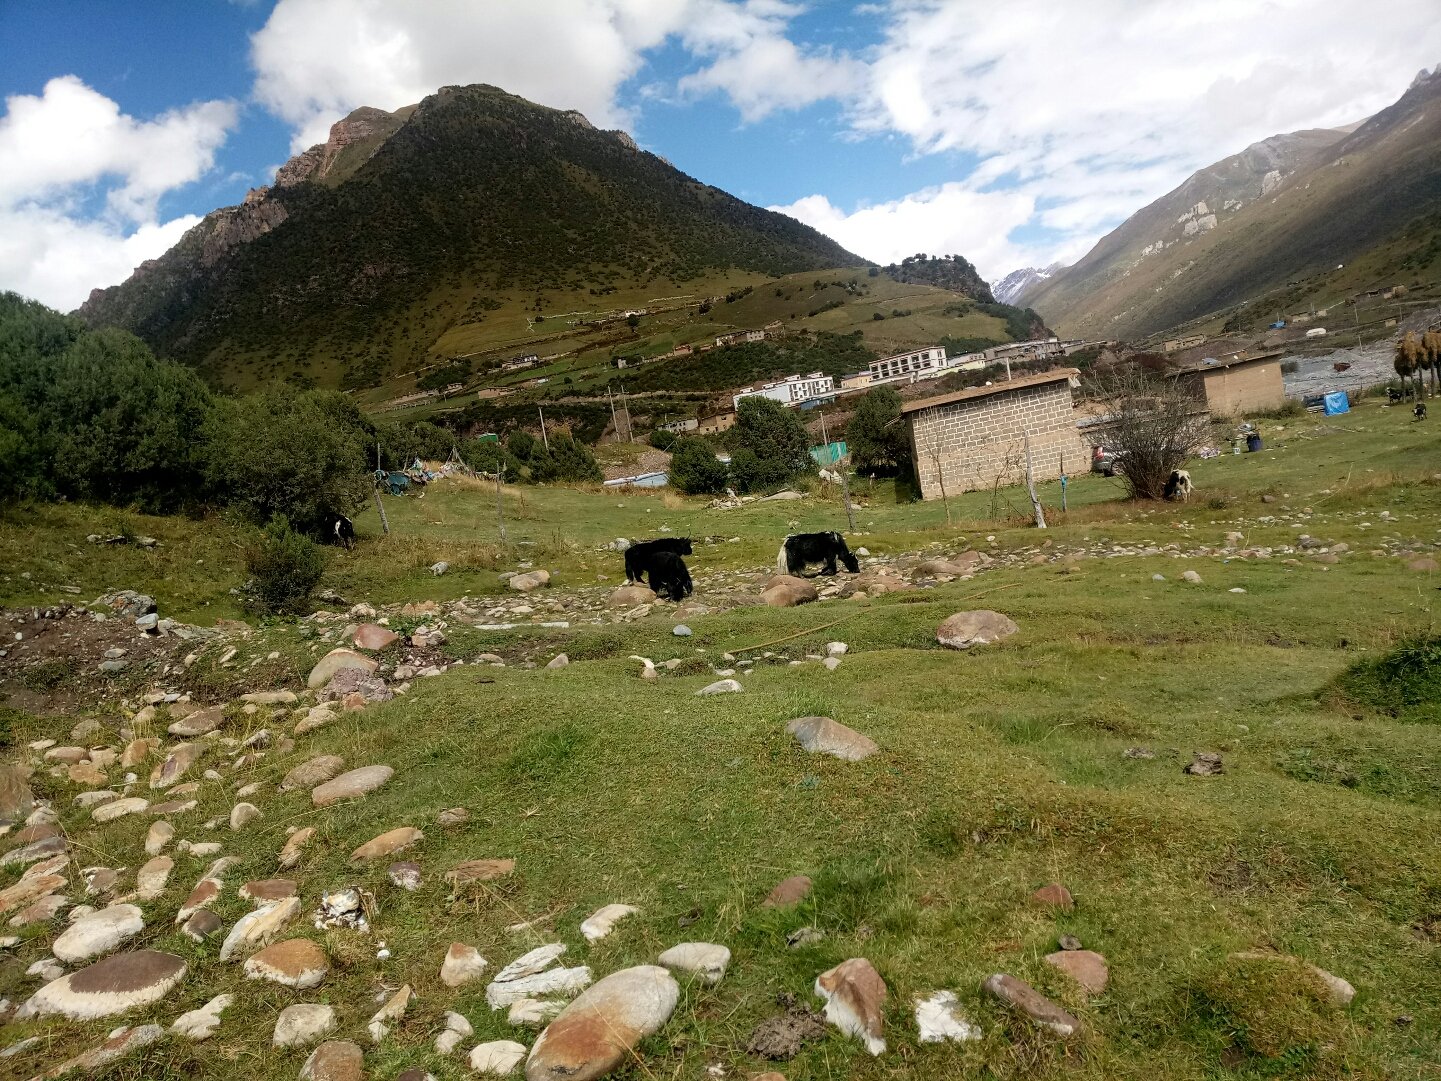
column 364, row 125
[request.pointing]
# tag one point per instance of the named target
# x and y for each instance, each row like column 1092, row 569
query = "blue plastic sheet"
column 1337, row 402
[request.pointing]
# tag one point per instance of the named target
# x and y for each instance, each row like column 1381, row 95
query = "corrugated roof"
column 1227, row 362
column 1055, row 375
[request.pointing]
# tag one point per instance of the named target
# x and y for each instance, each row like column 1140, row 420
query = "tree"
column 694, row 468
column 876, row 438
column 566, row 460
column 284, row 567
column 772, row 446
column 521, row 444
column 300, row 454
column 1156, row 424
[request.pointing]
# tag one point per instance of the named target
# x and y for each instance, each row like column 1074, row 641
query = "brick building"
column 972, row 437
column 1236, row 385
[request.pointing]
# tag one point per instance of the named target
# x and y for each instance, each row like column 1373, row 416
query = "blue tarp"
column 1337, row 402
column 829, row 453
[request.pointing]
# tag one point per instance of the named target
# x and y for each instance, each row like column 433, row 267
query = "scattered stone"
column 788, row 591
column 388, row 844
column 1192, row 577
column 373, row 636
column 498, row 1057
column 112, row 986
column 1205, row 764
column 42, row 849
column 939, row 1019
column 562, row 982
column 788, row 891
column 173, row 807
column 340, row 908
column 28, row 890
column 264, row 890
column 560, row 660
column 388, row 1015
column 472, row 871
column 821, row 735
column 405, row 874
column 334, row 1060
column 533, row 1012
column 602, row 922
column 600, row 1029
column 256, row 929
column 966, row 629
column 176, row 763
column 117, row 1045
column 302, row 1024
column 297, row 963
column 457, row 1028
column 290, row 854
column 1070, row 942
column 335, row 661
column 704, row 960
column 313, row 772
column 159, row 835
column 108, row 812
column 531, row 580
column 461, row 965
column 202, row 925
column 42, row 911
column 201, row 1024
column 455, row 816
column 630, row 596
column 242, row 814
column 531, row 962
column 153, row 876
column 352, row 785
column 855, row 998
column 1021, row 996
column 199, row 723
column 1086, row 967
column 1054, row 896
column 99, row 933
column 721, row 686
column 680, row 630
column 781, row 1038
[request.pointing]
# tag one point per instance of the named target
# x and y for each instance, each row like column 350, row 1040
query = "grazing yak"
column 800, row 549
column 669, row 578
column 1178, row 485
column 341, row 531
column 640, row 557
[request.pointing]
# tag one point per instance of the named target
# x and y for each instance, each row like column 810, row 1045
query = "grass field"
column 1000, row 770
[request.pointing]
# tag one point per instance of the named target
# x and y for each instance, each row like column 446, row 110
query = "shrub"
column 284, row 566
column 1157, row 424
column 875, row 436
column 772, row 448
column 694, row 468
column 661, row 439
column 566, row 460
column 1404, row 683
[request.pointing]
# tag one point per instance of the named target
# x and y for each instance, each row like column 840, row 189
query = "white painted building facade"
column 792, row 390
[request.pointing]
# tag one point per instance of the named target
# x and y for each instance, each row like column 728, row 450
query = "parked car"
column 1104, row 461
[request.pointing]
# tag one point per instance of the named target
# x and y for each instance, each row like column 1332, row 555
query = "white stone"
column 602, row 922
column 393, row 1010
column 201, row 1024
column 721, row 686
column 705, row 960
column 533, row 1011
column 457, row 1028
column 256, row 929
column 939, row 1019
column 98, row 933
column 242, row 814
column 528, row 964
column 303, row 1024
column 555, row 981
column 499, row 1057
column 108, row 812
column 461, row 965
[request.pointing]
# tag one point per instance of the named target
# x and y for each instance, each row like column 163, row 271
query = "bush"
column 284, row 567
column 1157, row 424
column 875, row 437
column 1404, row 683
column 401, row 444
column 566, row 460
column 694, row 468
column 489, row 455
column 772, row 448
column 662, row 439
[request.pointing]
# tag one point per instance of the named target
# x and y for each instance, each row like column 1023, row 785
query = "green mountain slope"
column 371, row 248
column 1294, row 207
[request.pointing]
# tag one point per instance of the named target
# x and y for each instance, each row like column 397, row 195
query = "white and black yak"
column 800, row 549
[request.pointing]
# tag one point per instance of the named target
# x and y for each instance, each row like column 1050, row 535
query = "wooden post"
column 614, row 423
column 1063, row 484
column 1031, row 487
column 379, row 506
column 499, row 511
column 543, row 437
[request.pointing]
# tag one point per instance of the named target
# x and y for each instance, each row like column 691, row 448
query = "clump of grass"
column 1404, row 683
column 416, row 553
column 544, row 754
column 1270, row 1007
column 46, row 676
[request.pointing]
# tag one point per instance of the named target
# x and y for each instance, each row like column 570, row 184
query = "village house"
column 716, row 423
column 856, row 380
column 977, row 438
column 516, row 363
column 792, row 390
column 685, row 424
column 735, row 337
column 910, row 367
column 1237, row 384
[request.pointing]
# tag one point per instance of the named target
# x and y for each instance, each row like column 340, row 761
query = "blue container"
column 1253, row 442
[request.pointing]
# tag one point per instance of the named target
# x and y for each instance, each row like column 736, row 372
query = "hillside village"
column 492, row 604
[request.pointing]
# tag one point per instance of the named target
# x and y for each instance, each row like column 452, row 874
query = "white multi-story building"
column 910, row 367
column 792, row 390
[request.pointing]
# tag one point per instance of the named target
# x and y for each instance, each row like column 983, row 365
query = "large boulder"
column 787, row 591
column 335, row 661
column 600, row 1029
column 630, row 596
column 821, row 735
column 531, row 580
column 966, row 629
column 107, row 988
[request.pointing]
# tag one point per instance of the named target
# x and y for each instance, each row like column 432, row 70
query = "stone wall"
column 981, row 439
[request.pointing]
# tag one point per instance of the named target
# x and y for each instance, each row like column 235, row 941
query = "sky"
column 1014, row 133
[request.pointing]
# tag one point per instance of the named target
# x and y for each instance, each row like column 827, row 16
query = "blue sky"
column 1014, row 134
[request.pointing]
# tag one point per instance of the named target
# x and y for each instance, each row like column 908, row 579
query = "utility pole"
column 379, row 506
column 625, row 408
column 614, row 424
column 499, row 511
column 543, row 437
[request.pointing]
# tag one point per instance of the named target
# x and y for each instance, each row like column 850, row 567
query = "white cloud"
column 71, row 142
column 316, row 60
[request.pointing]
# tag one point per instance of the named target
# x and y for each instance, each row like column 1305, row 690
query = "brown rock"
column 822, row 735
column 334, row 1060
column 290, row 854
column 600, row 1029
column 479, row 871
column 1205, row 764
column 630, row 596
column 297, row 963
column 966, row 629
column 264, row 890
column 202, row 925
column 173, row 807
column 86, row 773
column 42, row 911
column 202, row 896
column 352, row 785
column 336, row 660
column 789, row 891
column 1021, row 996
column 176, row 763
column 28, row 890
column 1056, row 896
column 388, row 843
column 373, row 636
column 1086, row 967
column 41, row 831
column 855, row 997
column 787, row 591
column 316, row 771
column 198, row 723
column 113, row 986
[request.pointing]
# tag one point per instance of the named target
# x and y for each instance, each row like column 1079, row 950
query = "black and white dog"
column 669, row 577
column 1178, row 485
column 1420, row 411
column 799, row 549
column 342, row 531
column 640, row 557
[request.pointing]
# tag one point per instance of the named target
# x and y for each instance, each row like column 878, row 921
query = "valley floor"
column 1056, row 755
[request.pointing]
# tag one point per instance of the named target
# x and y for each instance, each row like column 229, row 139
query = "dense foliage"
column 953, row 272
column 771, row 446
column 876, row 438
column 565, row 460
column 694, row 468
column 284, row 567
column 402, row 444
column 750, row 362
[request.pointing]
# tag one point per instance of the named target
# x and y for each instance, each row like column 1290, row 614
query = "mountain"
column 402, row 226
column 1290, row 212
column 1013, row 288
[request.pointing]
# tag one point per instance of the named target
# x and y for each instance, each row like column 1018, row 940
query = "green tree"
column 566, row 460
column 284, row 568
column 877, row 440
column 694, row 468
column 521, row 444
column 302, row 455
column 772, row 448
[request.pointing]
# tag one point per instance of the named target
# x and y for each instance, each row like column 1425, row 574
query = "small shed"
column 977, row 438
column 1232, row 386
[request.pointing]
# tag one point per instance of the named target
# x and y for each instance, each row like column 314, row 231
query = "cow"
column 1178, row 485
column 341, row 531
column 669, row 577
column 799, row 549
column 640, row 557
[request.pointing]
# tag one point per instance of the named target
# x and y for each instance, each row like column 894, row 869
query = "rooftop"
column 1055, row 375
column 1232, row 361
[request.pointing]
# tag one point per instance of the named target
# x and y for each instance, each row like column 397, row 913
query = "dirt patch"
column 781, row 1038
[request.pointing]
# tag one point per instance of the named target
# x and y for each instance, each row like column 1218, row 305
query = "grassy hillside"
column 1000, row 770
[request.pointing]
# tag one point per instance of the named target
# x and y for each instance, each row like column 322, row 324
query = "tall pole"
column 1031, row 487
column 379, row 506
column 625, row 408
column 499, row 511
column 614, row 424
column 544, row 438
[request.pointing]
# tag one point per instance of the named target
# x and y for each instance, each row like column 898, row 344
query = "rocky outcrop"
column 366, row 125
